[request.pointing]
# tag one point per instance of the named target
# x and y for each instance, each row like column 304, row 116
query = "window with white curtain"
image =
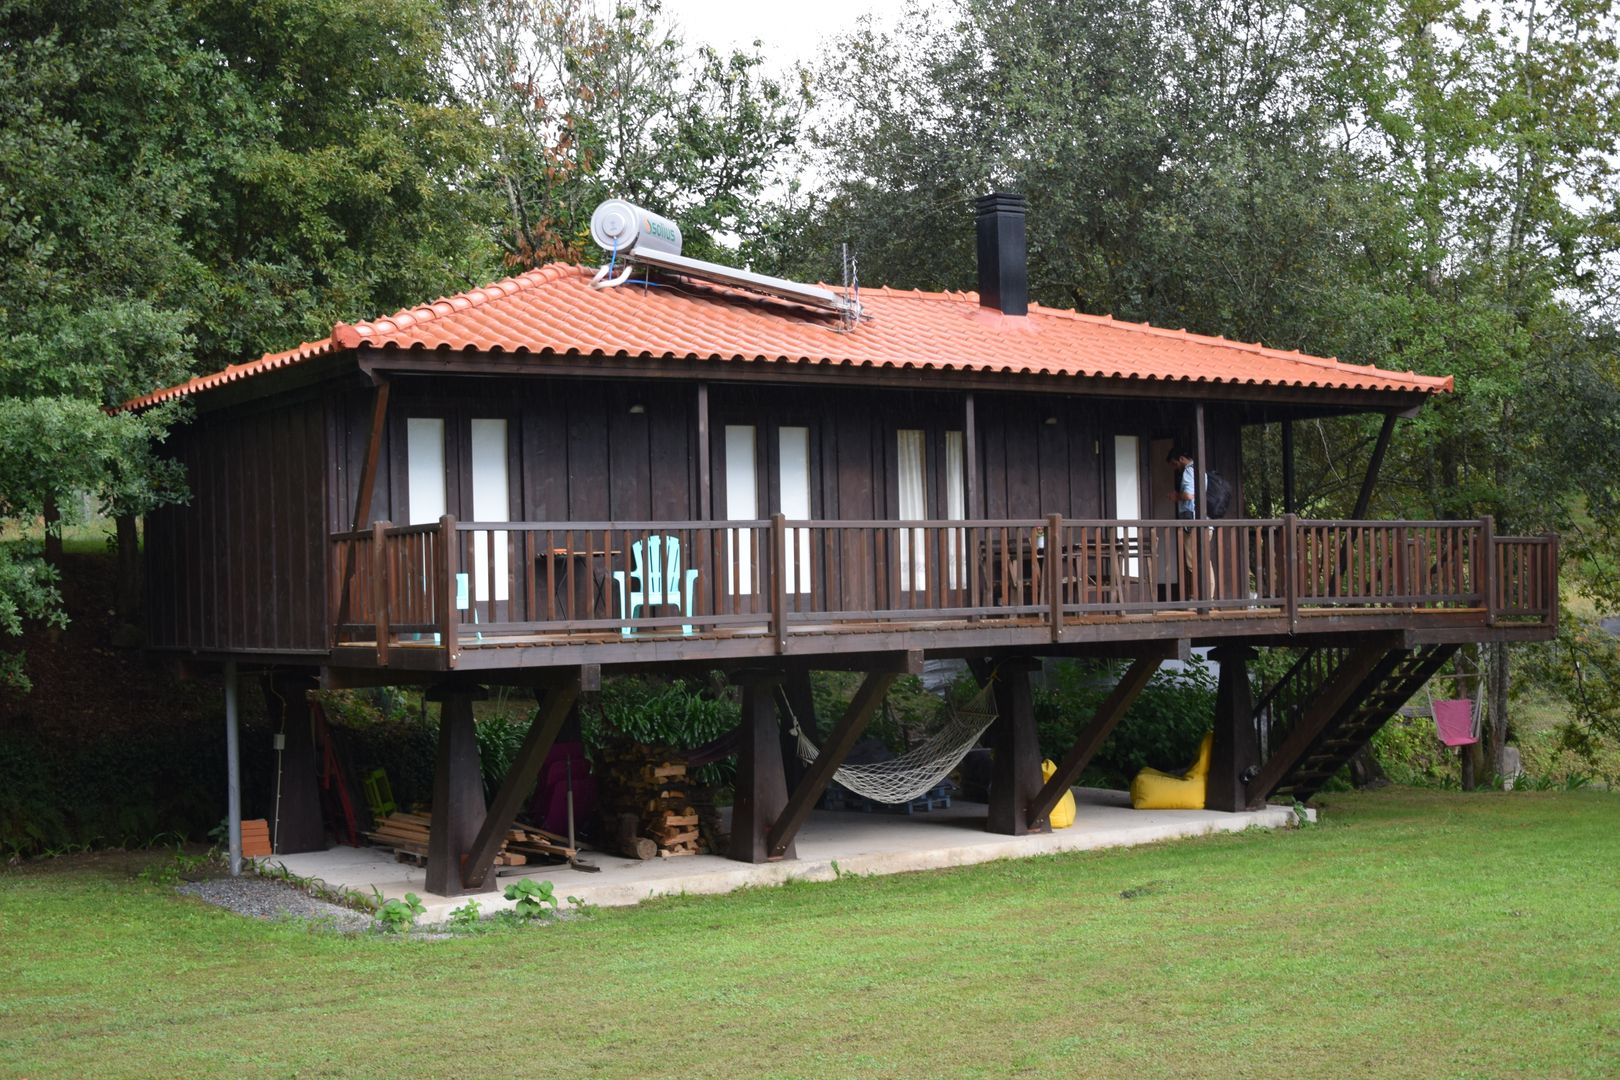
column 1128, row 491
column 956, row 506
column 742, row 504
column 424, row 470
column 793, row 481
column 913, row 506
column 491, row 501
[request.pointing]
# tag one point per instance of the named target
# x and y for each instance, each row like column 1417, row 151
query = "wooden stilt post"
column 802, row 703
column 1015, row 772
column 1236, row 750
column 761, row 784
column 555, row 704
column 458, row 789
column 297, row 824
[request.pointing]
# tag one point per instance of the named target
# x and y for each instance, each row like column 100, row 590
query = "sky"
column 789, row 31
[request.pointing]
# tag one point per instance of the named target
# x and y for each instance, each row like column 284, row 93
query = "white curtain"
column 424, row 469
column 491, row 501
column 1128, row 491
column 742, row 504
column 913, row 507
column 793, row 480
column 955, row 505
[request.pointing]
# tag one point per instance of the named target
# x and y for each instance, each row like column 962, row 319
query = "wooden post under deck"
column 1015, row 772
column 297, row 825
column 1236, row 749
column 761, row 783
column 458, row 789
column 556, row 702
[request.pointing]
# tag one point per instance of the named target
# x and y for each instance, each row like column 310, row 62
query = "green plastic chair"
column 656, row 565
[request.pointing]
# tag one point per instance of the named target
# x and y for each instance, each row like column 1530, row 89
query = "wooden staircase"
column 1332, row 710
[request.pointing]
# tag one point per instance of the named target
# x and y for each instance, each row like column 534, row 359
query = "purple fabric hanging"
column 1454, row 722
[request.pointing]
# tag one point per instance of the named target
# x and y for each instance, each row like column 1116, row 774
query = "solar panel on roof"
column 634, row 234
column 810, row 295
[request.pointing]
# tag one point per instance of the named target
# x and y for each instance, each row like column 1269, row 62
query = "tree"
column 588, row 102
column 1421, row 184
column 184, row 184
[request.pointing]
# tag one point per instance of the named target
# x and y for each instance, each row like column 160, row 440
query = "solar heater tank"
column 624, row 226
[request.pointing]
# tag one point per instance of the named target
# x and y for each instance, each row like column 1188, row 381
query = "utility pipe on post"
column 233, row 770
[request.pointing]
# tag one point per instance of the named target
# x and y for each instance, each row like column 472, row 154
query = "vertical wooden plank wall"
column 242, row 567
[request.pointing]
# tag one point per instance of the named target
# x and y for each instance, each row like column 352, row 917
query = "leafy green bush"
column 116, row 791
column 397, row 916
column 676, row 713
column 532, row 897
column 1162, row 728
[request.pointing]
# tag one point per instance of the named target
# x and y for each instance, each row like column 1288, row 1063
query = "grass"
column 1411, row 934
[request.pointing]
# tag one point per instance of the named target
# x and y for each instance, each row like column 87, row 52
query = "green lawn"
column 1411, row 934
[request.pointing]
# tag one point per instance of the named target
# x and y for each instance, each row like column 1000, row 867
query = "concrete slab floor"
column 859, row 843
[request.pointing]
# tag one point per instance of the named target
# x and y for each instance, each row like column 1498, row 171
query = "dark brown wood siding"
column 242, row 566
column 584, row 451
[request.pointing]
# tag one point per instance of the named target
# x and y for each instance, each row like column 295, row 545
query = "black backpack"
column 1219, row 494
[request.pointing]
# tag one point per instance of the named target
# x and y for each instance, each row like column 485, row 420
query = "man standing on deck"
column 1186, row 496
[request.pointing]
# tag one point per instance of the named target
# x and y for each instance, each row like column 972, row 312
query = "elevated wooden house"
column 544, row 479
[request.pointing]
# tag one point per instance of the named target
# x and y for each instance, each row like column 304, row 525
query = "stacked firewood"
column 653, row 806
column 407, row 834
column 530, row 841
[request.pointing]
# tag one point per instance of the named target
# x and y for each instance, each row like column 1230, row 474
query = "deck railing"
column 484, row 582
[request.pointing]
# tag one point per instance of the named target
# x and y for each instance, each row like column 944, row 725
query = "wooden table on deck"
column 1020, row 571
column 589, row 592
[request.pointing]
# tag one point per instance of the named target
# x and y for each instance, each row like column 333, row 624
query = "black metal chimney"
column 1003, row 256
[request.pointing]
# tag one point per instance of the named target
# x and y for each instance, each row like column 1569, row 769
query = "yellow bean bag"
column 1155, row 790
column 1062, row 815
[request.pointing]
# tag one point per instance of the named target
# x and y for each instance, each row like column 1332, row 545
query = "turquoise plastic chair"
column 657, row 567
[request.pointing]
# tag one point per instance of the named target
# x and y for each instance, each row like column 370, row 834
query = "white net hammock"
column 920, row 769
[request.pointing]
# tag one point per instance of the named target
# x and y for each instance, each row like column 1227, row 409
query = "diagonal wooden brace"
column 520, row 779
column 844, row 735
column 1107, row 716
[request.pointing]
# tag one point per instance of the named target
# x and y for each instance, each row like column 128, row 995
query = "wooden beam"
column 844, row 735
column 1236, row 747
column 520, row 779
column 458, row 789
column 1103, row 722
column 1317, row 714
column 1365, row 498
column 362, row 501
column 970, row 451
column 704, row 508
column 368, row 469
column 1290, row 498
column 761, row 791
column 1015, row 770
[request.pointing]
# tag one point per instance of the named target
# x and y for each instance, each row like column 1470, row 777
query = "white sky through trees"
column 788, row 32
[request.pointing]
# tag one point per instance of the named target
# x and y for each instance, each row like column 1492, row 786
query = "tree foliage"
column 589, row 102
column 186, row 183
column 1426, row 185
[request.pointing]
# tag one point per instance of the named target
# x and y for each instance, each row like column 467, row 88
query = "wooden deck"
column 511, row 595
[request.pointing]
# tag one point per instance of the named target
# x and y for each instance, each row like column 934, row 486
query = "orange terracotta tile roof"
column 555, row 310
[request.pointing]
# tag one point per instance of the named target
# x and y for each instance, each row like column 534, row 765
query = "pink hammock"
column 1454, row 722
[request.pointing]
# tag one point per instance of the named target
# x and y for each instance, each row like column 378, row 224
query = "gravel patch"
column 262, row 898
